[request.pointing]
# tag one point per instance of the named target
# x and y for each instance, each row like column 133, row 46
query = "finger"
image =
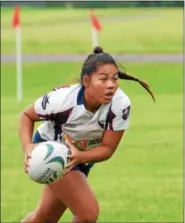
column 72, row 163
column 27, row 160
column 68, row 165
column 27, row 164
column 25, row 169
column 70, row 156
column 68, row 170
column 72, row 149
column 69, row 144
column 29, row 156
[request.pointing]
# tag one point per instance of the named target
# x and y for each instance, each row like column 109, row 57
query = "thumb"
column 69, row 144
column 70, row 156
column 28, row 154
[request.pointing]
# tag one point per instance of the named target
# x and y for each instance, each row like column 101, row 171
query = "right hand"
column 27, row 155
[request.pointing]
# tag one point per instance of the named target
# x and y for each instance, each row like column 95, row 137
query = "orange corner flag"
column 16, row 17
column 95, row 22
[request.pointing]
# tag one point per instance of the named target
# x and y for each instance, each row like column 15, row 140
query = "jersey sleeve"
column 50, row 104
column 119, row 114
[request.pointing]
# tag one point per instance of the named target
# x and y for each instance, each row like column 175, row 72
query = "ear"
column 86, row 81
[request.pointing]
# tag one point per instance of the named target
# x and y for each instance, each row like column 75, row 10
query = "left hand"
column 74, row 157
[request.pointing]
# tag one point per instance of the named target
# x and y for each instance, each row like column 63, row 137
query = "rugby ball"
column 47, row 162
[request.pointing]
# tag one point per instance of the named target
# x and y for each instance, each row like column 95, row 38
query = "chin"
column 106, row 101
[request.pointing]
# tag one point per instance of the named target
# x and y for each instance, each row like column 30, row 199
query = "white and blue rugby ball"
column 47, row 162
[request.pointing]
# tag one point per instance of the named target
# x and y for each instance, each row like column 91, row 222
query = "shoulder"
column 64, row 94
column 64, row 90
column 57, row 100
column 119, row 112
column 120, row 100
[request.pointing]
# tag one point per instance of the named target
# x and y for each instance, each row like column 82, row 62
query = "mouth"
column 109, row 95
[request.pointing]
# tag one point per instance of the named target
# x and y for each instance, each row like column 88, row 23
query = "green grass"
column 143, row 182
column 148, row 30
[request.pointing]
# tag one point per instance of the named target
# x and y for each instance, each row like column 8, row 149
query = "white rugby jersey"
column 64, row 114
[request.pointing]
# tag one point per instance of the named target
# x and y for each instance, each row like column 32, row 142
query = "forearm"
column 26, row 126
column 96, row 154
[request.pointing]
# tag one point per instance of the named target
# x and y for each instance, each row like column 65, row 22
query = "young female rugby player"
column 93, row 117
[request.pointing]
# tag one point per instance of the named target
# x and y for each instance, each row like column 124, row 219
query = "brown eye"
column 115, row 78
column 103, row 79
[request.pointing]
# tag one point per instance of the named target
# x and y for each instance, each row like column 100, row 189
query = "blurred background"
column 46, row 46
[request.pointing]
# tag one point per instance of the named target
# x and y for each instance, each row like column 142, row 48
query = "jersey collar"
column 80, row 96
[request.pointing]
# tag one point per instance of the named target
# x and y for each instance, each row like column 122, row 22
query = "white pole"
column 19, row 63
column 94, row 37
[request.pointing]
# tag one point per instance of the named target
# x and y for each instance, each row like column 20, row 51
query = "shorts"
column 84, row 168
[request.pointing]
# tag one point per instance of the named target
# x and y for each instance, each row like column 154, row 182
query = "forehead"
column 107, row 69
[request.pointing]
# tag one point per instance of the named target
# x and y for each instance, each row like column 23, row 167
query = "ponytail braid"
column 125, row 76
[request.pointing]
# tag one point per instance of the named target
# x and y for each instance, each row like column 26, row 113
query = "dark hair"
column 98, row 57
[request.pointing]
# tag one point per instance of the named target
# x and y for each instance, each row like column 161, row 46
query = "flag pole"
column 17, row 26
column 94, row 37
column 19, row 63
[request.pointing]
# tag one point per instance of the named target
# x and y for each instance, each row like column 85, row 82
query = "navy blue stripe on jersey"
column 101, row 124
column 47, row 116
column 109, row 120
column 57, row 116
column 37, row 138
column 60, row 119
column 80, row 96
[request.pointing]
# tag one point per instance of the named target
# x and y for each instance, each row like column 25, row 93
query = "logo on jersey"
column 70, row 125
column 126, row 113
column 45, row 101
column 94, row 141
column 81, row 144
column 61, row 86
column 102, row 123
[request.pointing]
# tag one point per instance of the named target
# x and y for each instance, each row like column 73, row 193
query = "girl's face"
column 102, row 84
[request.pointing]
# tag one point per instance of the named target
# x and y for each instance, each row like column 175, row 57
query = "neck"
column 90, row 103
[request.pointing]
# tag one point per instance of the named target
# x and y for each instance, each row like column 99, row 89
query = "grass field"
column 143, row 182
column 148, row 30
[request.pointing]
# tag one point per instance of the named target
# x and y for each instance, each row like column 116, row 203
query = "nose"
column 110, row 84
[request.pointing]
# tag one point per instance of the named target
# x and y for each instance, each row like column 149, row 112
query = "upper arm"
column 31, row 114
column 52, row 103
column 117, row 123
column 44, row 108
column 119, row 114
